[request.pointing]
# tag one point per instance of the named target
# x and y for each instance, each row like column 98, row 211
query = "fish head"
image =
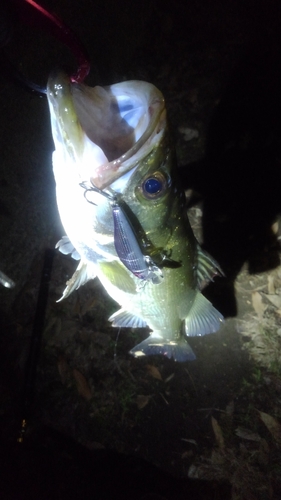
column 105, row 130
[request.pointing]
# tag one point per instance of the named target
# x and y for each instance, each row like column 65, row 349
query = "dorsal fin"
column 207, row 268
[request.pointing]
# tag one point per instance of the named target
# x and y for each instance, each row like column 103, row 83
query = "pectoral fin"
column 118, row 276
column 84, row 272
column 202, row 318
column 125, row 319
column 65, row 247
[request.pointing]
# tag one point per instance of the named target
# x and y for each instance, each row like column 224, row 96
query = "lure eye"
column 154, row 185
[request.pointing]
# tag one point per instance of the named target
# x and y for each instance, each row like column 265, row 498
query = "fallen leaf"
column 258, row 304
column 192, row 441
column 142, row 401
column 272, row 424
column 162, row 396
column 217, row 457
column 247, row 434
column 218, row 433
column 275, row 300
column 169, row 378
column 82, row 385
column 154, row 372
column 270, row 285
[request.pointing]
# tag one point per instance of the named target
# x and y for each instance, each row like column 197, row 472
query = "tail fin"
column 179, row 351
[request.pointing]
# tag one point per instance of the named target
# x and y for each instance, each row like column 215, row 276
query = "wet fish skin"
column 129, row 120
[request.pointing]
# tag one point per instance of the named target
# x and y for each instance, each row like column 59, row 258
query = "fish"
column 121, row 204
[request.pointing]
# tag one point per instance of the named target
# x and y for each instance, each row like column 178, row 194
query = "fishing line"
column 115, row 353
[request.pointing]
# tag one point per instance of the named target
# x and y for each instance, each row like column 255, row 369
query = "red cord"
column 68, row 37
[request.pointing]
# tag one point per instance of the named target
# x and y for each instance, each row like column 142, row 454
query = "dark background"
column 218, row 66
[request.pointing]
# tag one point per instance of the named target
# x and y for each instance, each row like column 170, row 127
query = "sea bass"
column 123, row 210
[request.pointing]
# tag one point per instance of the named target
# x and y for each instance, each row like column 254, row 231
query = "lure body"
column 129, row 250
column 126, row 241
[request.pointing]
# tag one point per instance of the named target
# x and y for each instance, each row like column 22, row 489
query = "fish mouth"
column 106, row 130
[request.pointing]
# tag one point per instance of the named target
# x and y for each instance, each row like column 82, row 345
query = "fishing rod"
column 35, row 342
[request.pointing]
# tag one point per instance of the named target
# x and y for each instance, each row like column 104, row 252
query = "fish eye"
column 154, row 185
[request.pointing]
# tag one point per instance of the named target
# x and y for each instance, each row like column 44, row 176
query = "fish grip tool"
column 35, row 342
column 33, row 14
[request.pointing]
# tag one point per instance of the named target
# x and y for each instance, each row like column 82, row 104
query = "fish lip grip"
column 31, row 13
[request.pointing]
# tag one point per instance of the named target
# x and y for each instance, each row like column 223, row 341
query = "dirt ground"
column 217, row 418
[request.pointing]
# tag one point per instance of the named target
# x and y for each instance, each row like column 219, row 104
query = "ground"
column 217, row 418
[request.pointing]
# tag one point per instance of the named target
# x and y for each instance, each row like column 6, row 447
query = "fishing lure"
column 127, row 239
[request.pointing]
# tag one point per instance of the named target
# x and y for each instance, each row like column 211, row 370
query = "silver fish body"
column 111, row 144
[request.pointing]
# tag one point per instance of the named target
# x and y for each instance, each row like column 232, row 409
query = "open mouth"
column 108, row 128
